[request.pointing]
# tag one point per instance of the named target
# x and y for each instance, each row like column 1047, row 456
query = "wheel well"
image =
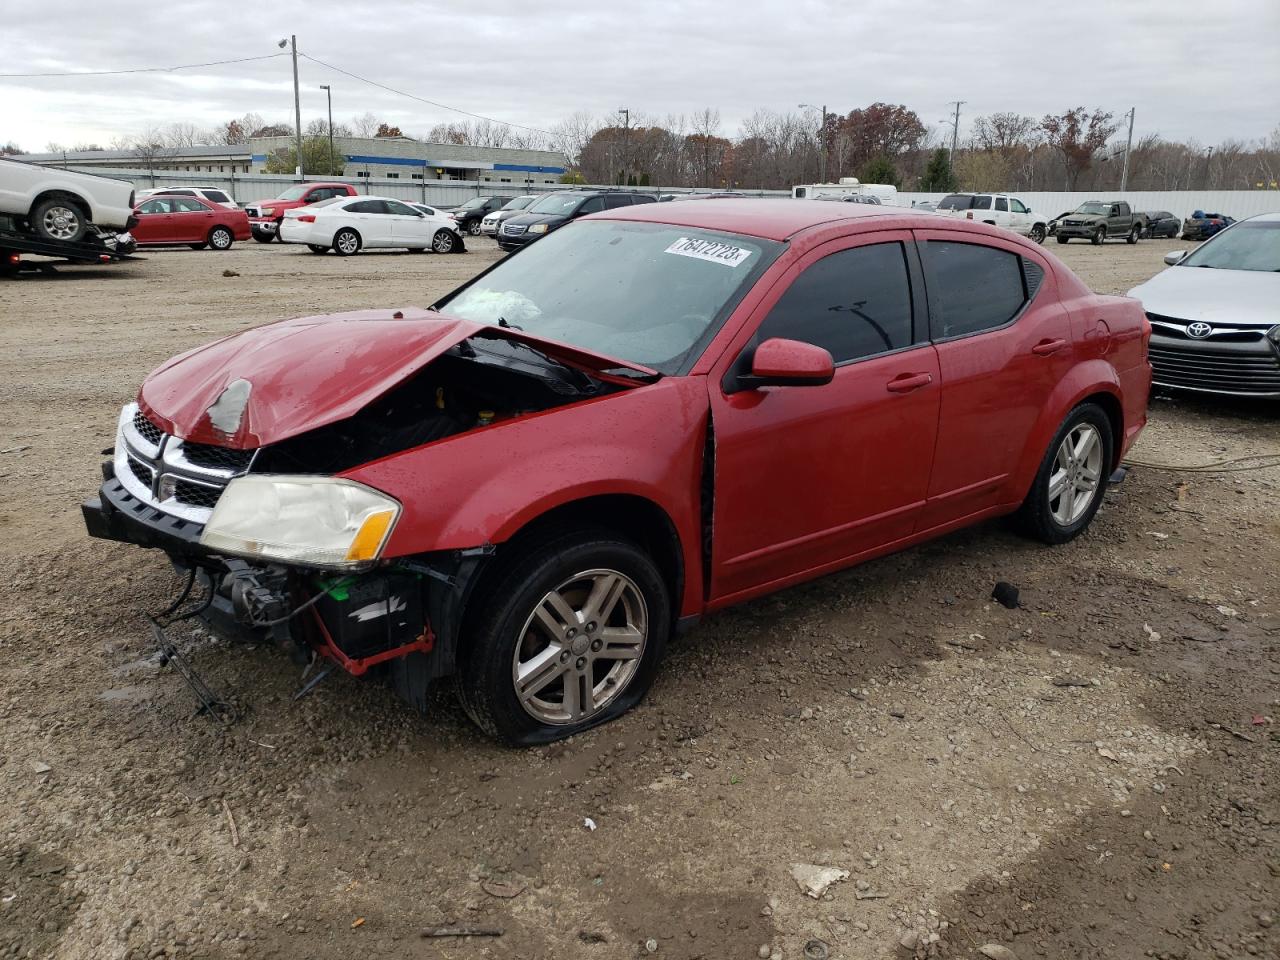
column 66, row 195
column 1115, row 416
column 221, row 226
column 348, row 230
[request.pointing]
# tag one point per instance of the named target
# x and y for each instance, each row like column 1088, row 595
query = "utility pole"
column 297, row 102
column 329, row 94
column 822, row 141
column 955, row 131
column 626, row 130
column 1124, row 171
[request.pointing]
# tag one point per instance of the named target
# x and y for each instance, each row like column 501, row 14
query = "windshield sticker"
column 712, row 250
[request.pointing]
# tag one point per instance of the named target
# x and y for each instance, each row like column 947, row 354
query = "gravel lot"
column 1092, row 775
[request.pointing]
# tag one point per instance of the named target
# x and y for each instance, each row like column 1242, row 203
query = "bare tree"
column 366, row 125
column 1077, row 135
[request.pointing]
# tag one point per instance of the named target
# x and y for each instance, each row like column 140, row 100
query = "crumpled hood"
column 1219, row 297
column 282, row 379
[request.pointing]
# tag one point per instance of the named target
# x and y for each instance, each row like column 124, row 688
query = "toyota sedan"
column 654, row 413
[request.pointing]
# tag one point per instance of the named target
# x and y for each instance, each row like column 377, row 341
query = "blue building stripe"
column 526, row 168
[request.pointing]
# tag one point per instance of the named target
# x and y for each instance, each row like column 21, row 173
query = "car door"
column 808, row 478
column 1001, row 352
column 1000, row 209
column 372, row 221
column 1020, row 218
column 192, row 220
column 409, row 227
column 155, row 221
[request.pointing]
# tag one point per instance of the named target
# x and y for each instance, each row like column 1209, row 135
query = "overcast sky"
column 1204, row 69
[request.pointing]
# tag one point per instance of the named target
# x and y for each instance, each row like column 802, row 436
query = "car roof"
column 768, row 219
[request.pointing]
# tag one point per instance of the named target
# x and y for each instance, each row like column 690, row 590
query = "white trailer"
column 847, row 187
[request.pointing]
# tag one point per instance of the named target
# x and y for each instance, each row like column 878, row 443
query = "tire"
column 346, row 242
column 417, row 249
column 1062, row 239
column 473, row 228
column 443, row 241
column 1038, row 517
column 1135, row 232
column 316, row 248
column 1037, row 234
column 197, row 246
column 263, row 237
column 220, row 238
column 59, row 220
column 507, row 632
column 1099, row 236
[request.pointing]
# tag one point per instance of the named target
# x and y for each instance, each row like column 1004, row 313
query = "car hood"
column 1214, row 296
column 282, row 379
column 1083, row 216
column 526, row 219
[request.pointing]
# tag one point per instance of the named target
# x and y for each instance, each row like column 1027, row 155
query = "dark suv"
column 556, row 209
column 474, row 210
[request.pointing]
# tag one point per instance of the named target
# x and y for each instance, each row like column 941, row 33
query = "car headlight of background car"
column 314, row 521
column 539, row 228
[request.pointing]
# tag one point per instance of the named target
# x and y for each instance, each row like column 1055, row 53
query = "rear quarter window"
column 217, row 196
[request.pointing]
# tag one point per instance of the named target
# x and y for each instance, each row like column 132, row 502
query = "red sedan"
column 174, row 220
column 655, row 412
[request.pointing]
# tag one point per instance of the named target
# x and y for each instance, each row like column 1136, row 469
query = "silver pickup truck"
column 62, row 205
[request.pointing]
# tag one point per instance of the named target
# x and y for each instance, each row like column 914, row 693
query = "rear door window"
column 591, row 205
column 981, row 203
column 972, row 287
column 366, row 206
column 400, row 209
column 615, row 200
column 855, row 303
column 1002, row 204
column 188, row 205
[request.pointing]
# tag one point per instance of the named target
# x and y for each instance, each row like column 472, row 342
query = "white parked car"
column 997, row 209
column 62, row 205
column 347, row 225
column 212, row 194
column 492, row 221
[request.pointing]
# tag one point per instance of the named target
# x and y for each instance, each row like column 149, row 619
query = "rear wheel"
column 346, row 242
column 1062, row 239
column 60, row 220
column 1072, row 478
column 443, row 241
column 220, row 238
column 1098, row 236
column 568, row 637
column 1134, row 233
column 1037, row 233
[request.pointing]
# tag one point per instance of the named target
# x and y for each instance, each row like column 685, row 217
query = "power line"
column 111, row 73
column 411, row 96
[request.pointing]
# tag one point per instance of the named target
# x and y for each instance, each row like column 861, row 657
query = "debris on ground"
column 814, row 880
column 997, row 951
column 1006, row 594
column 462, row 932
column 503, row 889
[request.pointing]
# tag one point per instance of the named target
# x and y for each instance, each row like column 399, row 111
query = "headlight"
column 316, row 521
column 538, row 228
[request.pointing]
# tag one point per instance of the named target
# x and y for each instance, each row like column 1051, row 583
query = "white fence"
column 1181, row 203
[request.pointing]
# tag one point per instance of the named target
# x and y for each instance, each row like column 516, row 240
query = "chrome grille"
column 1249, row 373
column 513, row 229
column 146, row 476
column 218, row 458
column 195, row 494
column 150, row 432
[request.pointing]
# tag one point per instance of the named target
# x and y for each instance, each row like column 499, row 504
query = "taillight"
column 14, row 258
column 307, row 218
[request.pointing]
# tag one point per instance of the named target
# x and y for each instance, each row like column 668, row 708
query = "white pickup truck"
column 61, row 205
column 997, row 209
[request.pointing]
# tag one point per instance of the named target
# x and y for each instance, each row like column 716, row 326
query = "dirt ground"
column 1094, row 774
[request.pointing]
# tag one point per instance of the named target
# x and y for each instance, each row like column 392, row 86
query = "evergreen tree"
column 880, row 170
column 938, row 176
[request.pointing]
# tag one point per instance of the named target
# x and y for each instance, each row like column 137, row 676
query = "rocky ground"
column 1094, row 774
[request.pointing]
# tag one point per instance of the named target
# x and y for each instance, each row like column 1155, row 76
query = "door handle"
column 908, row 382
column 1046, row 347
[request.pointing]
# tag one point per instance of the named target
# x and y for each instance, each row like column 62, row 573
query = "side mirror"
column 789, row 363
column 1174, row 257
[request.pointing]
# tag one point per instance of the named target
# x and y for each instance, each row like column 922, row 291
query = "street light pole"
column 329, row 93
column 822, row 140
column 626, row 129
column 1124, row 172
column 297, row 102
column 955, row 132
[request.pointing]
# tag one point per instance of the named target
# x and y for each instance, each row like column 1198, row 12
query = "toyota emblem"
column 1199, row 330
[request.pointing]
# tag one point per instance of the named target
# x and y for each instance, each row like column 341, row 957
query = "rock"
column 651, row 945
column 813, row 880
column 909, row 940
column 39, row 766
column 997, row 951
column 230, row 273
column 1005, row 594
column 502, row 888
column 816, row 950
column 764, row 951
column 1227, row 611
column 898, row 711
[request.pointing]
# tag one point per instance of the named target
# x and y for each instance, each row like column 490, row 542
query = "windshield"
column 955, row 202
column 647, row 293
column 558, row 203
column 1245, row 246
column 473, row 203
column 293, row 193
column 519, row 203
column 1095, row 208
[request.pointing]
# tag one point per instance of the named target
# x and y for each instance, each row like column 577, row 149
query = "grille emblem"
column 1199, row 330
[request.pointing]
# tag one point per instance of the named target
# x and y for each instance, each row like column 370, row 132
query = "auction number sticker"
column 713, row 250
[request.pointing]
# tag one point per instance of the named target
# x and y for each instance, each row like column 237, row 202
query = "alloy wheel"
column 442, row 242
column 220, row 239
column 61, row 223
column 1076, row 476
column 580, row 647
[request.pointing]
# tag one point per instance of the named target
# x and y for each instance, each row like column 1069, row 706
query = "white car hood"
column 1246, row 297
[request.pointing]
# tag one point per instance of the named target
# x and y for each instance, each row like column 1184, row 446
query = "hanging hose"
column 1258, row 461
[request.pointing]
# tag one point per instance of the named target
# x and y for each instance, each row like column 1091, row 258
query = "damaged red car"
column 654, row 413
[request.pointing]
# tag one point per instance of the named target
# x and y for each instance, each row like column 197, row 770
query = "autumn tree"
column 1006, row 133
column 317, row 160
column 386, row 130
column 1076, row 136
column 880, row 130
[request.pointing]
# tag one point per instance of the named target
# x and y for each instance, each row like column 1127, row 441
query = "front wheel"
column 473, row 228
column 220, row 238
column 1037, row 233
column 569, row 637
column 1098, row 236
column 443, row 241
column 346, row 242
column 1072, row 478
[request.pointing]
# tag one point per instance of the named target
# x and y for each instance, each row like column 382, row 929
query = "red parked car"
column 655, row 412
column 265, row 216
column 174, row 220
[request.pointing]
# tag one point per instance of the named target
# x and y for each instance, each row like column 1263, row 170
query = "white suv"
column 997, row 209
column 213, row 194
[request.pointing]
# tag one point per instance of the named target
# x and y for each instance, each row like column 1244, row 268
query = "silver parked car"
column 1215, row 313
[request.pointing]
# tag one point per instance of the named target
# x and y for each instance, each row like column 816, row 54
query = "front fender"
column 1084, row 380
